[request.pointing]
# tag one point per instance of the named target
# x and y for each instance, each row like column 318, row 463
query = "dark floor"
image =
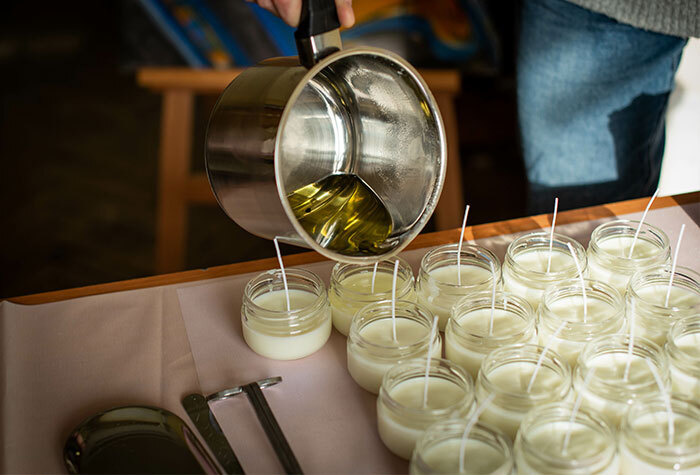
column 78, row 146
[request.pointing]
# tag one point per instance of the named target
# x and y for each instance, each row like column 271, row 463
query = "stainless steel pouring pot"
column 289, row 122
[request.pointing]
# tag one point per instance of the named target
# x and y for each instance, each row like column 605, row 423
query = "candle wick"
column 667, row 400
column 673, row 266
column 577, row 405
column 583, row 283
column 641, row 221
column 459, row 247
column 493, row 297
column 630, row 343
column 284, row 274
column 393, row 301
column 541, row 358
column 551, row 234
column 374, row 275
column 470, row 424
column 433, row 331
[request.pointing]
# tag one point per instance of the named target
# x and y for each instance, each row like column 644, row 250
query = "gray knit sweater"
column 673, row 17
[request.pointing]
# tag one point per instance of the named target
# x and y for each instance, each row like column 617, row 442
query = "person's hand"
column 289, row 10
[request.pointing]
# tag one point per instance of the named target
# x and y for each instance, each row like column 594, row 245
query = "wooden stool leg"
column 173, row 171
column 450, row 209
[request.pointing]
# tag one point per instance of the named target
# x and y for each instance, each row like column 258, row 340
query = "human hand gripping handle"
column 290, row 10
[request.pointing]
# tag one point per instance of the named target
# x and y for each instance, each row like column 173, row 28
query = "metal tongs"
column 197, row 408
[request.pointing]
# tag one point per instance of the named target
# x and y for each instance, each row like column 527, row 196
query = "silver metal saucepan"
column 288, row 122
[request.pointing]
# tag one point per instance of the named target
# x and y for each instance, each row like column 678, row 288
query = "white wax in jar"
column 570, row 309
column 684, row 383
column 281, row 345
column 584, row 445
column 367, row 369
column 513, row 378
column 400, row 433
column 344, row 310
column 619, row 247
column 480, row 457
column 477, row 323
column 534, row 260
column 656, row 294
column 473, row 279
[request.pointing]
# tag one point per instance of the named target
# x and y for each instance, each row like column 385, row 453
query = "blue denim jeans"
column 592, row 96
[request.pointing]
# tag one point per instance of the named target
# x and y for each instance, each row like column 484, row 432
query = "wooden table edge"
column 424, row 240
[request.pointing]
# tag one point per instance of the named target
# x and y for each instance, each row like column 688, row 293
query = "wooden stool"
column 178, row 186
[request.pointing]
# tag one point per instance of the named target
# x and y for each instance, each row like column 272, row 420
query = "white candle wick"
column 459, row 247
column 433, row 329
column 493, row 297
column 551, row 234
column 673, row 266
column 583, row 282
column 374, row 275
column 393, row 300
column 630, row 343
column 284, row 274
column 577, row 405
column 641, row 221
column 470, row 424
column 544, row 352
column 667, row 400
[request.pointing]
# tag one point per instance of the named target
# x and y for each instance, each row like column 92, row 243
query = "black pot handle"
column 317, row 17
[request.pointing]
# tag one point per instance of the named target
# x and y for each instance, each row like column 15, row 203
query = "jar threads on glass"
column 273, row 331
column 351, row 288
column 620, row 377
column 486, row 450
column 401, row 416
column 437, row 284
column 552, row 439
column 647, row 447
column 646, row 295
column 371, row 349
column 562, row 304
column 608, row 251
column 528, row 258
column 506, row 373
column 469, row 335
column 683, row 351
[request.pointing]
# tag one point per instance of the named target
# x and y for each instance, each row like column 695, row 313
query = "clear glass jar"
column 270, row 329
column 562, row 304
column 647, row 295
column 607, row 391
column 486, row 450
column 553, row 440
column 645, row 445
column 608, row 251
column 683, row 351
column 371, row 349
column 525, row 265
column 351, row 288
column 469, row 336
column 437, row 284
column 401, row 417
column 506, row 374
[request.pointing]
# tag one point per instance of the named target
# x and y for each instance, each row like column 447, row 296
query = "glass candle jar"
column 351, row 288
column 562, row 304
column 437, row 285
column 646, row 446
column 607, row 391
column 647, row 296
column 608, row 251
column 470, row 336
column 273, row 331
column 525, row 266
column 506, row 373
column 371, row 348
column 683, row 351
column 486, row 450
column 552, row 439
column 401, row 416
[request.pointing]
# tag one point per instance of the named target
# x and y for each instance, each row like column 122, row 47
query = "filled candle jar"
column 529, row 267
column 471, row 333
column 486, row 450
column 647, row 296
column 619, row 376
column 609, row 258
column 441, row 281
column 554, row 439
column 403, row 411
column 683, row 351
column 649, row 445
column 563, row 304
column 371, row 347
column 353, row 286
column 275, row 330
column 507, row 373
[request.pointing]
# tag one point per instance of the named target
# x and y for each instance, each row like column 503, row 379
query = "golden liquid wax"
column 343, row 214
